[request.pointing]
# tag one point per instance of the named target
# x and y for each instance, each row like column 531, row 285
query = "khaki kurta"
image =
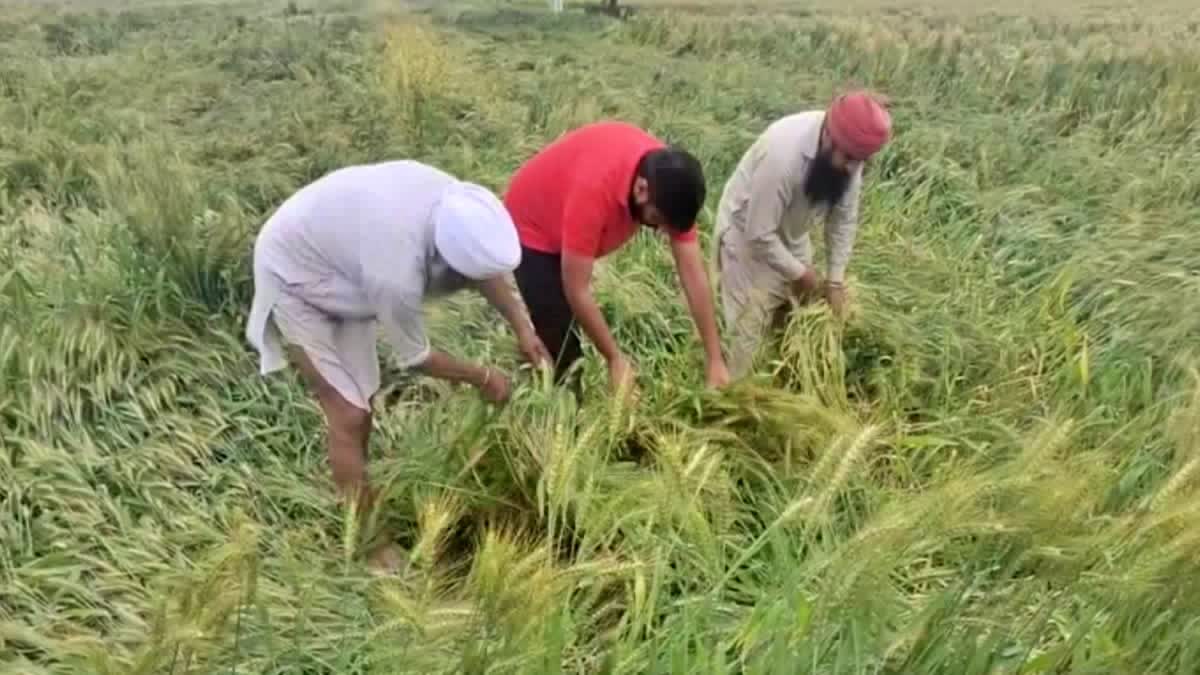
column 351, row 251
column 762, row 231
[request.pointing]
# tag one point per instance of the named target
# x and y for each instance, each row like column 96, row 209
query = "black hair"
column 676, row 184
column 825, row 183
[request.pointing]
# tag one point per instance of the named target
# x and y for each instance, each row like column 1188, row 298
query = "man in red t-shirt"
column 581, row 198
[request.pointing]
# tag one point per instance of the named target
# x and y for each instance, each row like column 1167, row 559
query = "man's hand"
column 835, row 295
column 620, row 374
column 495, row 386
column 534, row 349
column 577, row 281
column 805, row 288
column 501, row 296
column 690, row 266
column 718, row 374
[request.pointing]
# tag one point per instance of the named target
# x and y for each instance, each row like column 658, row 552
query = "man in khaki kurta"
column 805, row 167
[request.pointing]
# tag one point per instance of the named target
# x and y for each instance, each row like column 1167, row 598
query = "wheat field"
column 993, row 467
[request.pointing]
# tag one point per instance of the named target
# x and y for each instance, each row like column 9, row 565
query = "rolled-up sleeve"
column 840, row 230
column 396, row 294
column 770, row 195
column 392, row 270
column 404, row 326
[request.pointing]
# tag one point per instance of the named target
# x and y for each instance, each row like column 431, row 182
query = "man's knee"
column 343, row 417
column 748, row 325
column 346, row 420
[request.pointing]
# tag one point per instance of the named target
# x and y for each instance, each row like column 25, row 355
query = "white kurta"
column 346, row 253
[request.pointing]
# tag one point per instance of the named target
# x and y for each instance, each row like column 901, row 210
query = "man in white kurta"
column 804, row 168
column 363, row 248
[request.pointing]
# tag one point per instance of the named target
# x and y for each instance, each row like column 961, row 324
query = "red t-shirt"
column 574, row 194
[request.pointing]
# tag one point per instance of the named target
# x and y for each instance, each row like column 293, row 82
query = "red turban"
column 858, row 124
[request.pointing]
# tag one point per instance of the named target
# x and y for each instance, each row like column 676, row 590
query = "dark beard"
column 825, row 184
column 637, row 211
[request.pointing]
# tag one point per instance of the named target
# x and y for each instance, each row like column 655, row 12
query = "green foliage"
column 992, row 468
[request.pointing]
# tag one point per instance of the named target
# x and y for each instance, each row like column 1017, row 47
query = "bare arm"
column 500, row 295
column 690, row 265
column 577, row 286
column 405, row 328
column 445, row 367
column 412, row 350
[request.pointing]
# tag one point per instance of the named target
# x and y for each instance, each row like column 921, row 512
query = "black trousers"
column 539, row 278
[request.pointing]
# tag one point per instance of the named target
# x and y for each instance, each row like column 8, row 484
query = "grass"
column 991, row 469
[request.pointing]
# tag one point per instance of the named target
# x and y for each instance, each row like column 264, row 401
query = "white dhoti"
column 343, row 350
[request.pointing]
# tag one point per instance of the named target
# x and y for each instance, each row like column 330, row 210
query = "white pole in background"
column 556, row 5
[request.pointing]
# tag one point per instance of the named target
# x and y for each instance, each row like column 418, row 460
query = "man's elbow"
column 421, row 361
column 579, row 300
column 760, row 249
column 762, row 244
column 769, row 251
column 773, row 255
column 576, row 293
